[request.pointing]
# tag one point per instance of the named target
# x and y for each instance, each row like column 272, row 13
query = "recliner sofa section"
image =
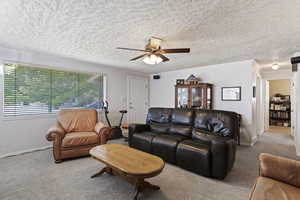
column 201, row 141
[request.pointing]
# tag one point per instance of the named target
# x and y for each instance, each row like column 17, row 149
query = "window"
column 33, row 90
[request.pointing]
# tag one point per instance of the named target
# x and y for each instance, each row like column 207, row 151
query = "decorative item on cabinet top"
column 191, row 80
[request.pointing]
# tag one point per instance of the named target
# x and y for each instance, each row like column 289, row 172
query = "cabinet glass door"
column 197, row 94
column 209, row 98
column 183, row 95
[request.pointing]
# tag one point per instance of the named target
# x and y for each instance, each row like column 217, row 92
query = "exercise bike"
column 116, row 130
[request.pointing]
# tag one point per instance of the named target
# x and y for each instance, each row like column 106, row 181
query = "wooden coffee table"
column 131, row 164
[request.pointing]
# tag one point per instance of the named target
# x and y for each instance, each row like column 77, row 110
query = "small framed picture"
column 231, row 93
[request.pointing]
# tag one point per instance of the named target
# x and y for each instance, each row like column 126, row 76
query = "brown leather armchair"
column 279, row 179
column 76, row 132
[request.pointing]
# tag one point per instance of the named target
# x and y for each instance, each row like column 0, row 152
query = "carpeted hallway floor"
column 34, row 176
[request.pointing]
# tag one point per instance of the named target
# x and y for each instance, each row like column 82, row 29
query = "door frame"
column 265, row 94
column 130, row 77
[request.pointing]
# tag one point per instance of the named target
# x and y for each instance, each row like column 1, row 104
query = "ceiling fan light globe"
column 275, row 66
column 152, row 59
column 158, row 59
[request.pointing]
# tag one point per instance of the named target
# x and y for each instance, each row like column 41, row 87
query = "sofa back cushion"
column 78, row 120
column 159, row 119
column 182, row 122
column 223, row 123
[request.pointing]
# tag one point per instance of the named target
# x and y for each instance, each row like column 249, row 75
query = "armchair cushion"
column 270, row 189
column 74, row 139
column 78, row 120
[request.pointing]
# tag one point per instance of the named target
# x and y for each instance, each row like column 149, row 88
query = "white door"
column 137, row 95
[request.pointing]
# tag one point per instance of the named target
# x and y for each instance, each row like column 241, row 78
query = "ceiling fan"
column 154, row 53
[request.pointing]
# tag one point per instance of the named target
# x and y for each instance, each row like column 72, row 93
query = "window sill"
column 35, row 116
column 29, row 117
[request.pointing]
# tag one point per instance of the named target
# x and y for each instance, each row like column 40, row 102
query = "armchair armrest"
column 279, row 168
column 103, row 131
column 55, row 131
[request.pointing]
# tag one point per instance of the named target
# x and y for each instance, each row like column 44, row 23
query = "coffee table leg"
column 137, row 192
column 150, row 186
column 142, row 185
column 105, row 169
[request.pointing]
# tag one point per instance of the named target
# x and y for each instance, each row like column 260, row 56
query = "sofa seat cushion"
column 207, row 137
column 74, row 139
column 165, row 146
column 143, row 141
column 194, row 155
column 270, row 189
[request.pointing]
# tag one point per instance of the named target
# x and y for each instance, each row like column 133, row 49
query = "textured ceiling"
column 217, row 31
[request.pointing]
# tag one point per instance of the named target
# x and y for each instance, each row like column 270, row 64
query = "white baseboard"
column 254, row 140
column 25, row 151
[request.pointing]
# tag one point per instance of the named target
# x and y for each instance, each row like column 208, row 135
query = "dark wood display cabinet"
column 197, row 96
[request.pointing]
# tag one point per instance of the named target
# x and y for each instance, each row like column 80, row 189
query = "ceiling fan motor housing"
column 154, row 44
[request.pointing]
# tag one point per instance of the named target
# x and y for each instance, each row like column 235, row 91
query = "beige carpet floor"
column 34, row 176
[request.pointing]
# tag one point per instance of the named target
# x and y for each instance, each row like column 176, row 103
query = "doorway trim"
column 274, row 75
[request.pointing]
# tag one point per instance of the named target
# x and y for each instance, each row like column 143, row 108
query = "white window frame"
column 41, row 115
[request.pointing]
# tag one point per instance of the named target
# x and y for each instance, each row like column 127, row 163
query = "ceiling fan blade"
column 132, row 59
column 179, row 50
column 165, row 59
column 130, row 49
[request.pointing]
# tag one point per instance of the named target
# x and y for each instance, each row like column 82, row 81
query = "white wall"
column 29, row 132
column 280, row 87
column 162, row 91
column 256, row 105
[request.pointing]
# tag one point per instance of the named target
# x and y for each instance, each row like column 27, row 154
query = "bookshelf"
column 280, row 110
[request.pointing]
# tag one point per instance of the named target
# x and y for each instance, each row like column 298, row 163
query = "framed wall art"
column 231, row 93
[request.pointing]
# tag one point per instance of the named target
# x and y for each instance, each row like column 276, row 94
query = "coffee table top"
column 128, row 160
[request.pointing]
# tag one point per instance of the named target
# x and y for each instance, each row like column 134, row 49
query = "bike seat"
column 123, row 111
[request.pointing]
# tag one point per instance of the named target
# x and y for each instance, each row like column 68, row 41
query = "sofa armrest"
column 55, row 131
column 103, row 131
column 280, row 168
column 136, row 128
column 222, row 150
column 223, row 156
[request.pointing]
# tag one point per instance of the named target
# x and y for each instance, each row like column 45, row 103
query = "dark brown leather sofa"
column 279, row 179
column 76, row 132
column 202, row 141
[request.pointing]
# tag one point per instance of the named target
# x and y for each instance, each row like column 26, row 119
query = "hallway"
column 279, row 130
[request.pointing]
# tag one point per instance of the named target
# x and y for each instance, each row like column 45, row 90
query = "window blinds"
column 33, row 90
